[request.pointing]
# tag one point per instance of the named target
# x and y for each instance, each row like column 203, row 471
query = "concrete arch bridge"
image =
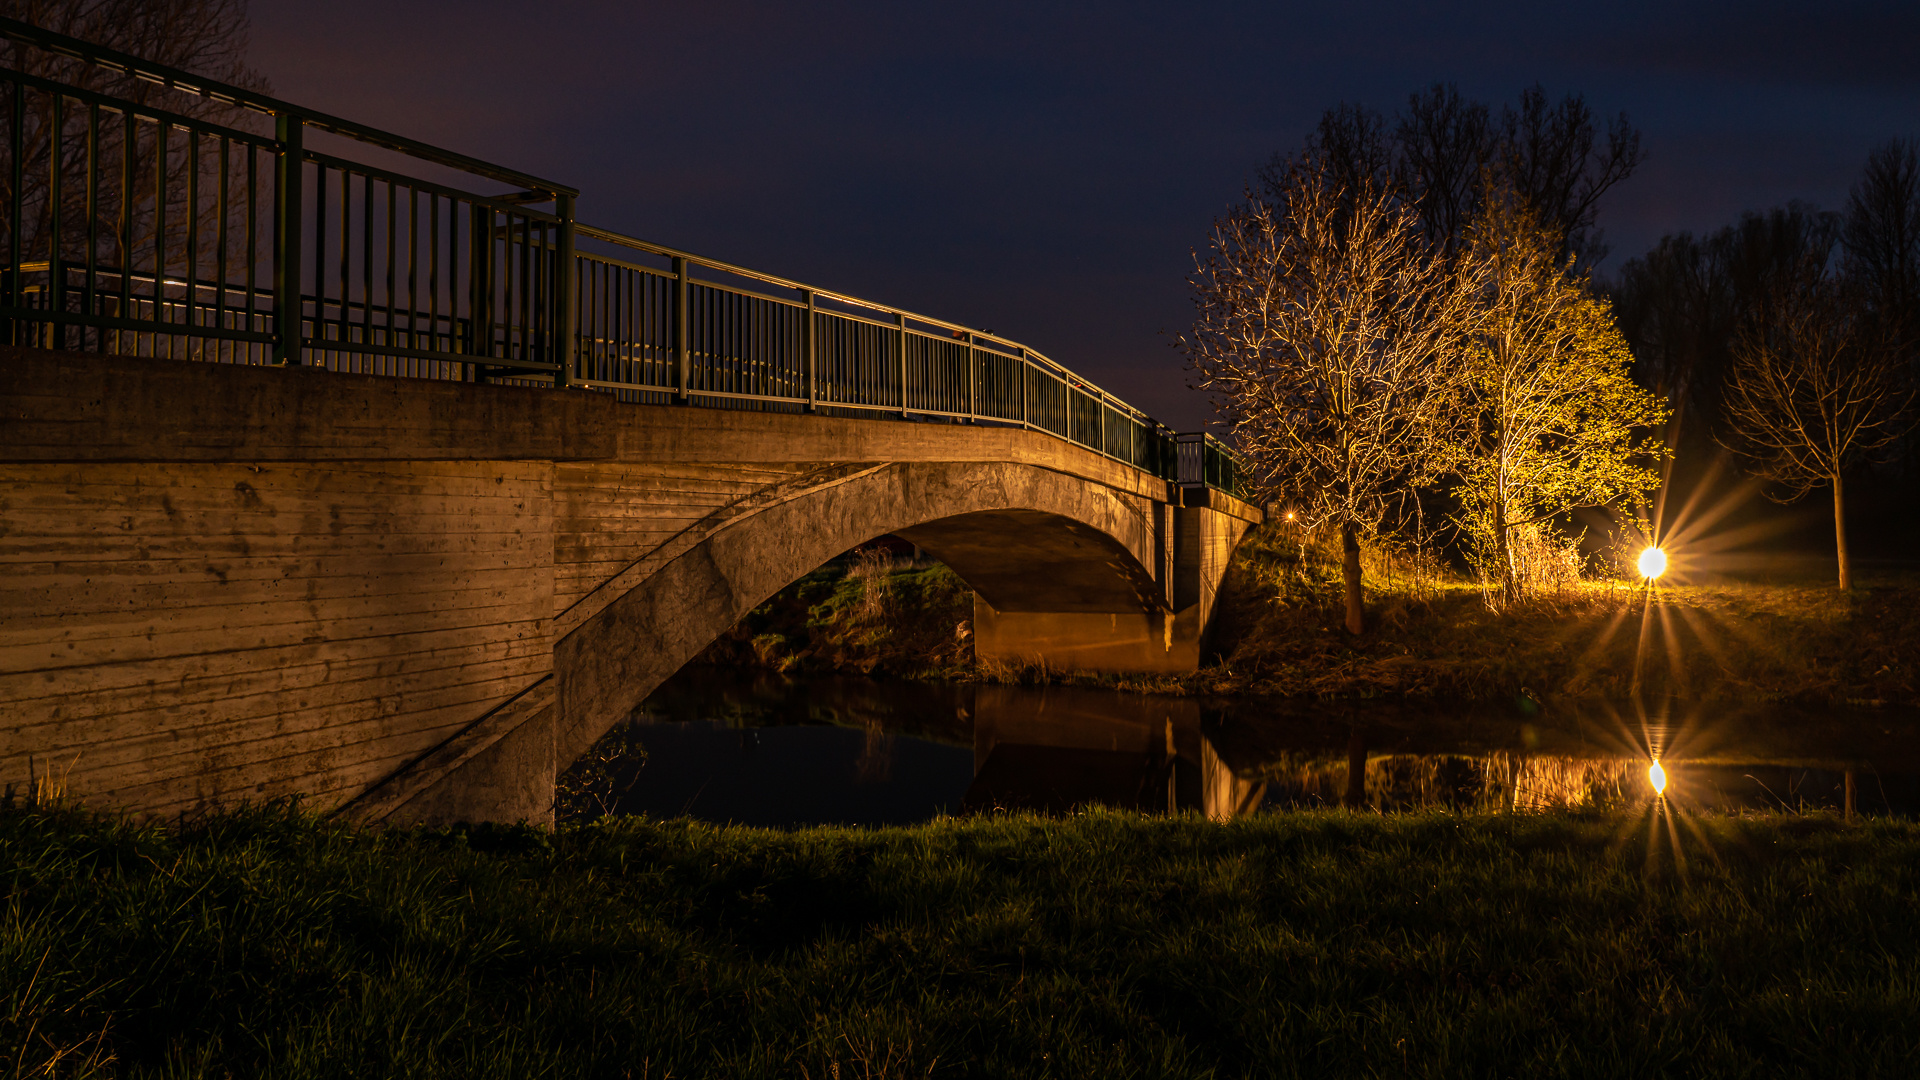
column 402, row 509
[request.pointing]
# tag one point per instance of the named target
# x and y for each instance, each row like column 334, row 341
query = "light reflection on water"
column 754, row 748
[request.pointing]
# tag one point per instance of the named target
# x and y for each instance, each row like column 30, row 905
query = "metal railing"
column 141, row 230
column 1204, row 461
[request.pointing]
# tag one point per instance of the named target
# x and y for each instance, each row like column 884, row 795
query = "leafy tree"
column 1548, row 380
column 1324, row 321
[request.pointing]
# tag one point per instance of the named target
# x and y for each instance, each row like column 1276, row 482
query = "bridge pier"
column 414, row 601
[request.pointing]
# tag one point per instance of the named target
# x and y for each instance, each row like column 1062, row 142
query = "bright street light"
column 1653, row 563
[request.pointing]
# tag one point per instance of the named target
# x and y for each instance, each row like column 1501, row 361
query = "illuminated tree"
column 1324, row 323
column 1548, row 383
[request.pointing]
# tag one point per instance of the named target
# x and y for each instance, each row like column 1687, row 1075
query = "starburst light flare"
column 1653, row 563
column 1657, row 776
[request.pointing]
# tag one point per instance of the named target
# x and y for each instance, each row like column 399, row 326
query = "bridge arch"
column 1026, row 538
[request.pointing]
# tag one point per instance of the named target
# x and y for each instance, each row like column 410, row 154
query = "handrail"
column 609, row 236
column 151, row 232
column 1205, row 461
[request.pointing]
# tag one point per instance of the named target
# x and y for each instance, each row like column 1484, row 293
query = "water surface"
column 755, row 748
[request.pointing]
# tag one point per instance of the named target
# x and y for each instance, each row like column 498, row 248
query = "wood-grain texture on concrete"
column 416, row 601
column 180, row 634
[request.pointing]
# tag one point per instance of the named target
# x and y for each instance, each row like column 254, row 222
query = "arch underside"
column 1033, row 560
column 1026, row 538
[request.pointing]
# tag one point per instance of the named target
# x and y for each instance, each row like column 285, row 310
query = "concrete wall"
column 418, row 600
column 178, row 634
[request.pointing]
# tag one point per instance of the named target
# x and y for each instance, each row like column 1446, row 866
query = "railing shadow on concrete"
column 139, row 230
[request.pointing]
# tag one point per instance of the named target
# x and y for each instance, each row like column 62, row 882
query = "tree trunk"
column 1503, row 549
column 1350, row 563
column 1356, row 769
column 1840, row 534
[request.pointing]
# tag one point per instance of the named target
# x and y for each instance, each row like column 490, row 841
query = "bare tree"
column 1554, row 156
column 141, row 215
column 1324, row 323
column 1882, row 237
column 1812, row 391
column 1356, row 146
column 206, row 37
column 1681, row 304
column 1443, row 141
column 1676, row 307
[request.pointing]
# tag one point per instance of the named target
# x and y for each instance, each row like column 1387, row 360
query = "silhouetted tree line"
column 1445, row 156
column 1792, row 337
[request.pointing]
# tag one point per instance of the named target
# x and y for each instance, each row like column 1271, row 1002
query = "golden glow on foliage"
column 1653, row 563
column 1657, row 776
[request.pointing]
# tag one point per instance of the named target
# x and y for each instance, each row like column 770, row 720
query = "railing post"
column 56, row 335
column 16, row 288
column 973, row 381
column 287, row 198
column 480, row 283
column 1026, row 380
column 812, row 349
column 900, row 320
column 566, row 295
column 682, row 349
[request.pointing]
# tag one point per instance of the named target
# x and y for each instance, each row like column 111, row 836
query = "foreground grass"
column 271, row 943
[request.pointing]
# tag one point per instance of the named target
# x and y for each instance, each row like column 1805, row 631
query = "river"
column 751, row 747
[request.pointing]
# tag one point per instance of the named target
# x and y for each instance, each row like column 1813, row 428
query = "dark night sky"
column 1045, row 170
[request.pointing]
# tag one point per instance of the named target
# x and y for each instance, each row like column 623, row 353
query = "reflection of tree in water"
column 875, row 764
column 1497, row 781
column 1554, row 783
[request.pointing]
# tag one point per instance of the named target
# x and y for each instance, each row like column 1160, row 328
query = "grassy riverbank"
column 268, row 943
column 1279, row 632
